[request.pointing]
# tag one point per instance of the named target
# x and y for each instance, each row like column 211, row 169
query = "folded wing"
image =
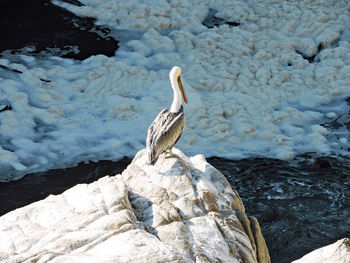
column 164, row 132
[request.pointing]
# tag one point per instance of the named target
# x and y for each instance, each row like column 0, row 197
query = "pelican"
column 167, row 127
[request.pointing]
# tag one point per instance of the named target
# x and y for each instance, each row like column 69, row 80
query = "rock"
column 338, row 252
column 179, row 210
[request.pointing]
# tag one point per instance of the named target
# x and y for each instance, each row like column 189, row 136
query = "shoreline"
column 301, row 204
column 37, row 186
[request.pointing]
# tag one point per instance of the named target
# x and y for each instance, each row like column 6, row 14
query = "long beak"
column 179, row 81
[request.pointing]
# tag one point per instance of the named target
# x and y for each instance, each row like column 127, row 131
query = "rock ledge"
column 338, row 252
column 180, row 210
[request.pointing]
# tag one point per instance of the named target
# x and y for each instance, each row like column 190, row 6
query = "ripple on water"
column 299, row 205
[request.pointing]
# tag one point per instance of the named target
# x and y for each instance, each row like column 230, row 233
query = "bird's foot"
column 173, row 155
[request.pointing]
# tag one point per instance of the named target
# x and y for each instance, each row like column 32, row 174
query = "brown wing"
column 164, row 132
column 152, row 130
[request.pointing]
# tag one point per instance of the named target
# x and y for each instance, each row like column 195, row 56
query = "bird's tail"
column 151, row 157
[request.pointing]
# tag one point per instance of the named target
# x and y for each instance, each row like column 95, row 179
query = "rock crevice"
column 180, row 210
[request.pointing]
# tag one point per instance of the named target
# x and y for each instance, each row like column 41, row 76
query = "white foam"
column 250, row 93
column 331, row 115
column 343, row 140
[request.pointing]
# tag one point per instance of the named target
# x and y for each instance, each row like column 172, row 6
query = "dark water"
column 300, row 205
column 35, row 187
column 39, row 28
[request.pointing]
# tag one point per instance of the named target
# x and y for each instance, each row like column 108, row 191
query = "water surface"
column 301, row 205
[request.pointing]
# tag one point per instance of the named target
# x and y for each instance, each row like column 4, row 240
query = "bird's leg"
column 174, row 155
column 171, row 153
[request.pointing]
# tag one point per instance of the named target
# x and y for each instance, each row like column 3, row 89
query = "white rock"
column 338, row 252
column 179, row 210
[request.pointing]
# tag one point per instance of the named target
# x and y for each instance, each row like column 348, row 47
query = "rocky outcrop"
column 179, row 210
column 338, row 252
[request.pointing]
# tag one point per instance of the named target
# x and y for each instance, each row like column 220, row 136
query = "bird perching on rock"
column 167, row 127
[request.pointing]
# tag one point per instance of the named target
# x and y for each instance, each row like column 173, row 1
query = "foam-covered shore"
column 256, row 88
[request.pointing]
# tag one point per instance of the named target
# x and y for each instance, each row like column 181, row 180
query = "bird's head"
column 175, row 73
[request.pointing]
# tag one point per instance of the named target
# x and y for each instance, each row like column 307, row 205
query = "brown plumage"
column 164, row 133
column 167, row 127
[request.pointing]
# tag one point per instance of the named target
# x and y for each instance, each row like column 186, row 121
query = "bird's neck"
column 177, row 101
